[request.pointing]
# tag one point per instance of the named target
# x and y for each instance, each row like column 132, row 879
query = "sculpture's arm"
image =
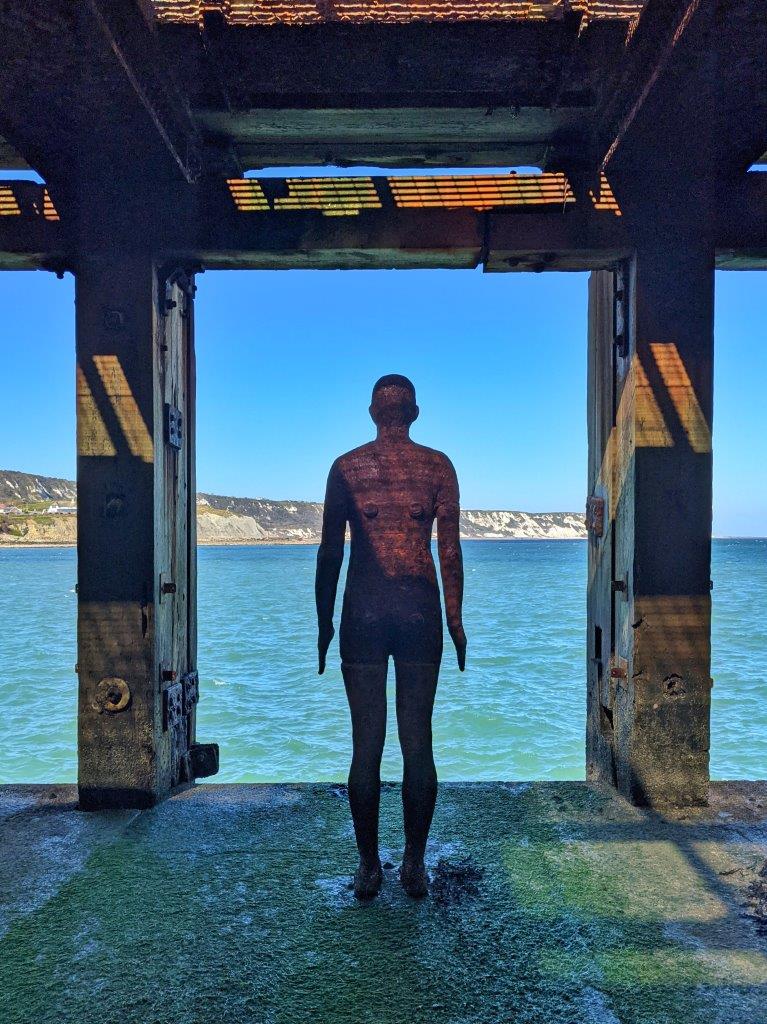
column 329, row 560
column 448, row 510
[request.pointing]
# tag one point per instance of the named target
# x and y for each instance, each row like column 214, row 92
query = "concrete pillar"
column 136, row 539
column 649, row 604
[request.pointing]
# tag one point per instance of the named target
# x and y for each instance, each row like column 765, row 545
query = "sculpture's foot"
column 368, row 880
column 414, row 879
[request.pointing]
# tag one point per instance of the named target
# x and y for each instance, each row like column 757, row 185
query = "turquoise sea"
column 517, row 713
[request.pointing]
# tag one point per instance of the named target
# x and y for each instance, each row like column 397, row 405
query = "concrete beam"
column 692, row 83
column 130, row 33
column 84, row 87
column 652, row 49
column 527, row 223
column 392, row 94
column 517, row 62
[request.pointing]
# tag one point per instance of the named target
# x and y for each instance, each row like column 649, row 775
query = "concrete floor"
column 231, row 904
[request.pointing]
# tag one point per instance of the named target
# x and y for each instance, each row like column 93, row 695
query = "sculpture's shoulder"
column 362, row 463
column 350, row 462
column 436, row 459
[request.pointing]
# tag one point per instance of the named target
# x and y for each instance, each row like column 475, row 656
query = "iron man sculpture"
column 390, row 491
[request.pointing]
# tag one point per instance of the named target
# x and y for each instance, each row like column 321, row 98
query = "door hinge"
column 174, row 426
column 595, row 516
column 620, row 319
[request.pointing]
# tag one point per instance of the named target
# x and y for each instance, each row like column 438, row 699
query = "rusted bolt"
column 618, row 672
column 112, row 695
column 114, row 319
column 168, row 675
column 114, row 505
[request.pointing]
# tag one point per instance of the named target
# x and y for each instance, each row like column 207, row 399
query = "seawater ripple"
column 517, row 713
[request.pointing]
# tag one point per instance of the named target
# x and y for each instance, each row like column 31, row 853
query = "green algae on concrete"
column 232, row 904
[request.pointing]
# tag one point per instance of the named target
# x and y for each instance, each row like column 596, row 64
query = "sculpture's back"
column 390, row 492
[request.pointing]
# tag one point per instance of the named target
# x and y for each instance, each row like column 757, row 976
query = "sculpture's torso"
column 391, row 602
column 391, row 496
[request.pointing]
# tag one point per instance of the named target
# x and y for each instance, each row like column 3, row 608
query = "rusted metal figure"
column 390, row 491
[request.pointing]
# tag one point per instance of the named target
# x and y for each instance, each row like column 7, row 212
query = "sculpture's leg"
column 366, row 692
column 416, row 687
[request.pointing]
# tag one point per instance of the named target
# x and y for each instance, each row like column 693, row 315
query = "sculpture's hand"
column 459, row 639
column 326, row 634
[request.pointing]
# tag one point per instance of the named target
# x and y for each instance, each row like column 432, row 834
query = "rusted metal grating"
column 485, row 192
column 9, row 205
column 349, row 196
column 49, row 210
column 334, row 196
column 343, row 197
column 306, row 12
column 248, row 195
column 604, row 198
column 26, row 197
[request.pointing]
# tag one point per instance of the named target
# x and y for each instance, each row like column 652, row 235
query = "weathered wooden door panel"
column 600, row 514
column 174, row 548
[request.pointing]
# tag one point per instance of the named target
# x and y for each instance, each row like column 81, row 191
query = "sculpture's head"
column 393, row 402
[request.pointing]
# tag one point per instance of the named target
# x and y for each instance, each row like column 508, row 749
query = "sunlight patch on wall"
column 93, row 440
column 118, row 391
column 682, row 394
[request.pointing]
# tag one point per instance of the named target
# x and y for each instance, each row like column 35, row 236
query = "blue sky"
column 286, row 361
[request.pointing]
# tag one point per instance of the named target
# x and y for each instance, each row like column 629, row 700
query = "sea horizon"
column 315, row 543
column 517, row 713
